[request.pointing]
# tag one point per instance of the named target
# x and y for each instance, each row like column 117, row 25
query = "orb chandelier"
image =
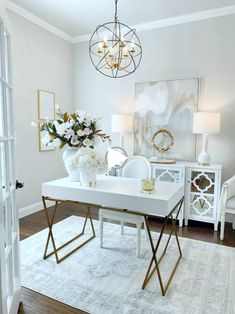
column 115, row 49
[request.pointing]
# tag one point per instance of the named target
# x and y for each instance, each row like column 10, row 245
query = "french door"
column 9, row 221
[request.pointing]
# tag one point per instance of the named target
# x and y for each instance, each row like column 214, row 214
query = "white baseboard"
column 33, row 208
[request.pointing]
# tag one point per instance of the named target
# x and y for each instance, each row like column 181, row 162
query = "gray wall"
column 205, row 49
column 40, row 61
column 43, row 61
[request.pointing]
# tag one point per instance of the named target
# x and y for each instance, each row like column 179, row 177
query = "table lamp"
column 205, row 123
column 122, row 124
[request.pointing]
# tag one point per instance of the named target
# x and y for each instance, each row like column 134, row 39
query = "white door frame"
column 9, row 218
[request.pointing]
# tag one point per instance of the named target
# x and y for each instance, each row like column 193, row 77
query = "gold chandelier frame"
column 115, row 49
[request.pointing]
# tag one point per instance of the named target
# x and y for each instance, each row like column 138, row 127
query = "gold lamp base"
column 206, row 164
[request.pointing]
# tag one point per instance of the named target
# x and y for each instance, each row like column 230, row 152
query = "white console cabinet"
column 202, row 189
column 170, row 173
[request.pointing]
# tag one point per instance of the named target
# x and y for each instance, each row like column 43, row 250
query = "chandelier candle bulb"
column 132, row 50
column 100, row 48
column 111, row 52
column 105, row 42
column 122, row 44
column 125, row 52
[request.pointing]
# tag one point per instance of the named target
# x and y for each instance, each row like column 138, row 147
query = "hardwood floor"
column 35, row 303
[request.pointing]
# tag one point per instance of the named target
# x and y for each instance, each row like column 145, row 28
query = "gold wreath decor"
column 166, row 134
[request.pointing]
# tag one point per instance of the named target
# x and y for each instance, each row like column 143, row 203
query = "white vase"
column 69, row 152
column 74, row 176
column 87, row 178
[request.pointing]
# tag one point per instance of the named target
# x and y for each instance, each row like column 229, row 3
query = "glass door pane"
column 9, row 224
column 9, row 124
column 9, row 279
column 1, row 111
column 2, row 167
column 6, row 56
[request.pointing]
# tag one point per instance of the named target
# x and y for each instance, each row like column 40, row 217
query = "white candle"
column 125, row 52
column 100, row 47
column 105, row 42
column 132, row 50
column 111, row 52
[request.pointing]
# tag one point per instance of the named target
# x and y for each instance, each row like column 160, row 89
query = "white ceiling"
column 80, row 17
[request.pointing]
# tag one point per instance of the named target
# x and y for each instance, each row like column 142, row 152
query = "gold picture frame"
column 46, row 105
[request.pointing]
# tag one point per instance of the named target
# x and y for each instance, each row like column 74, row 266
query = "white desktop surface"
column 118, row 192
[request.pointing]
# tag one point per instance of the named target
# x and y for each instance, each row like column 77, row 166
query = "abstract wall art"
column 170, row 105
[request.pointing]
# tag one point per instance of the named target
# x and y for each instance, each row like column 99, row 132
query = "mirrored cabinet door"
column 202, row 195
column 169, row 173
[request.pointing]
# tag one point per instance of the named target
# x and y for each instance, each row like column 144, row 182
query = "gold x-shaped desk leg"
column 50, row 222
column 155, row 249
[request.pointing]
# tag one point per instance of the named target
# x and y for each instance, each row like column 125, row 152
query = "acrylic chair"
column 227, row 203
column 137, row 167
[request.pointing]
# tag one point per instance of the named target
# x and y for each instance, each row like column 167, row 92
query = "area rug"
column 108, row 280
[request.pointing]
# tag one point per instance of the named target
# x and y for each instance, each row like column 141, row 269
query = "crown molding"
column 161, row 23
column 171, row 21
column 36, row 20
column 186, row 18
column 81, row 38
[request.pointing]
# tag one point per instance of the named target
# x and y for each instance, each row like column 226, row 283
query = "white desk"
column 119, row 194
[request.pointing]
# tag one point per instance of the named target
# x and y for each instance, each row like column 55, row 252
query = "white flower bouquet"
column 74, row 130
column 86, row 159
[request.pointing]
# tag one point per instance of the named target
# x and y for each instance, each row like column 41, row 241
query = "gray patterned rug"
column 108, row 280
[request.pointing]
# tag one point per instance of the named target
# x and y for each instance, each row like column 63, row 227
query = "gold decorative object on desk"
column 148, row 185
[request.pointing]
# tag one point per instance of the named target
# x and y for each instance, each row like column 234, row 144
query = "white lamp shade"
column 122, row 123
column 206, row 122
